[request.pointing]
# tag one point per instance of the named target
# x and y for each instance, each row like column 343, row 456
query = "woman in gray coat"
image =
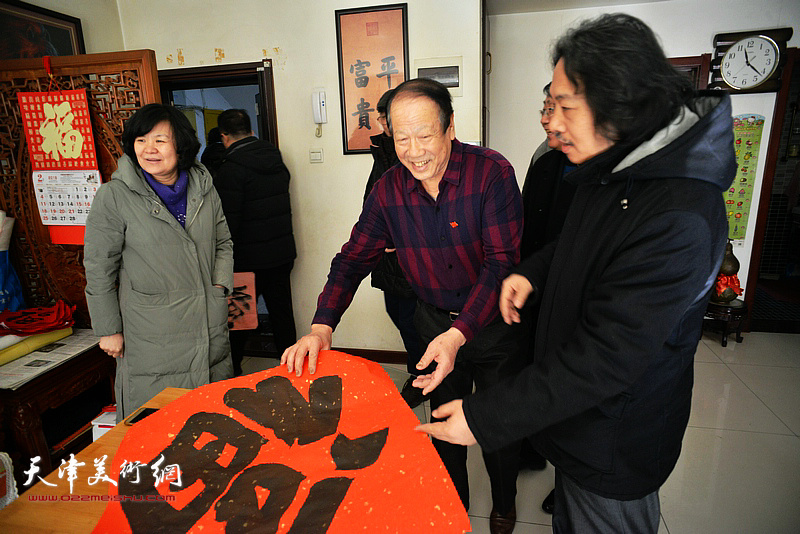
column 159, row 263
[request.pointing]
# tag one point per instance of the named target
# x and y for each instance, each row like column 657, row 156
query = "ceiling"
column 504, row 7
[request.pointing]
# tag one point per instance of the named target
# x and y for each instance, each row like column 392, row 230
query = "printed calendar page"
column 64, row 198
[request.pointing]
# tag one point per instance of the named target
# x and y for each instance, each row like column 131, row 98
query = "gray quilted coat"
column 153, row 281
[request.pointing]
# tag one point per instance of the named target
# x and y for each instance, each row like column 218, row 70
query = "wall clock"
column 749, row 62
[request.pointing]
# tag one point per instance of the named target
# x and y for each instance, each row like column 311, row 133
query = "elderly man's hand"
column 514, row 293
column 308, row 345
column 442, row 350
column 454, row 428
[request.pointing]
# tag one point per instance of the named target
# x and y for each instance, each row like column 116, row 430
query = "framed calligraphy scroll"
column 373, row 57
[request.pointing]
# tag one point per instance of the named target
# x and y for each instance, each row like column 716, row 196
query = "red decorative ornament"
column 36, row 320
column 728, row 282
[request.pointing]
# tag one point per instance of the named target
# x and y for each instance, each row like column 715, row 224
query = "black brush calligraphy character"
column 239, row 509
column 208, row 465
column 277, row 405
column 321, row 505
column 360, row 452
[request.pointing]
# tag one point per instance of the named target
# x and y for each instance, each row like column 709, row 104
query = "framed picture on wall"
column 31, row 31
column 372, row 44
column 695, row 67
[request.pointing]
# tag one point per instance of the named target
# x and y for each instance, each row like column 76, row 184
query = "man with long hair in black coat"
column 624, row 288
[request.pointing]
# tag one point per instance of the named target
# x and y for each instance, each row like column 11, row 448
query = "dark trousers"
column 578, row 510
column 492, row 355
column 529, row 456
column 401, row 311
column 275, row 286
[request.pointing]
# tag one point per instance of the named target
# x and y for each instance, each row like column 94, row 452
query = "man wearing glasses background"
column 546, row 198
column 550, row 143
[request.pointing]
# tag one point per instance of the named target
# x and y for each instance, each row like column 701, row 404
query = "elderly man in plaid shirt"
column 454, row 213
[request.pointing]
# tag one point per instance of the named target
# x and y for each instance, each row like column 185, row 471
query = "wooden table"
column 22, row 433
column 731, row 315
column 25, row 515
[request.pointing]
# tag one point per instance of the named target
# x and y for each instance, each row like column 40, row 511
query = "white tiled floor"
column 739, row 471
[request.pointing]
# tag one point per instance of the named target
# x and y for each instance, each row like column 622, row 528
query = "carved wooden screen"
column 117, row 84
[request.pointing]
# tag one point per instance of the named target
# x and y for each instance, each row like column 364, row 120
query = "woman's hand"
column 112, row 345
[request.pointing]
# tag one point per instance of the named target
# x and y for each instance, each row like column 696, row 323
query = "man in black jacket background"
column 546, row 197
column 253, row 183
column 623, row 289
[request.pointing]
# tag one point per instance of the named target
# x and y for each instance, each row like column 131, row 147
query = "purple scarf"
column 173, row 196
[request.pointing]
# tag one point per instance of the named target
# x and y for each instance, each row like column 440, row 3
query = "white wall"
column 300, row 37
column 102, row 31
column 520, row 46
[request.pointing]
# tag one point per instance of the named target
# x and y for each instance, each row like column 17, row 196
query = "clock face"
column 750, row 62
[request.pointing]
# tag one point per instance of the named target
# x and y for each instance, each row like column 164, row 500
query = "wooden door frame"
column 227, row 75
column 767, row 183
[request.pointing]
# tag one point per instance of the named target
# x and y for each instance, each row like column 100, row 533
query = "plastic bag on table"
column 10, row 288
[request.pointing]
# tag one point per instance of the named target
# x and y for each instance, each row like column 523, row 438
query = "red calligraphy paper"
column 331, row 452
column 242, row 304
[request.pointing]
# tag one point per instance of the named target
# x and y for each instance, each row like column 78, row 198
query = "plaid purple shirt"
column 455, row 251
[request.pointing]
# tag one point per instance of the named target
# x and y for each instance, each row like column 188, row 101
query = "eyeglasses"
column 547, row 111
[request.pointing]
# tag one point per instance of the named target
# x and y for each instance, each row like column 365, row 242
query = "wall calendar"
column 65, row 175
